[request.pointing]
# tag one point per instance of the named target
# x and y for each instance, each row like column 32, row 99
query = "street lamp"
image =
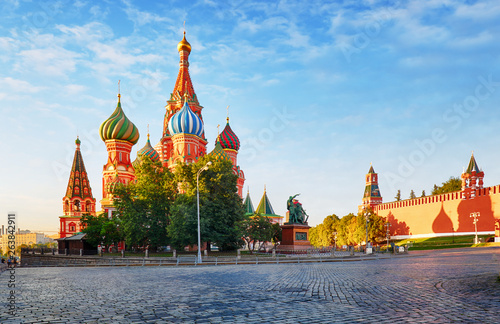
column 335, row 238
column 367, row 217
column 475, row 216
column 209, row 163
column 387, row 234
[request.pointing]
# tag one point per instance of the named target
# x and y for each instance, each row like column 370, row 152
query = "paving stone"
column 425, row 287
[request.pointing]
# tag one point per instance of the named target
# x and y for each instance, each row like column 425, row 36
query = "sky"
column 317, row 91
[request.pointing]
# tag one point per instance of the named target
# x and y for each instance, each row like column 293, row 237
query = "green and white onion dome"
column 119, row 127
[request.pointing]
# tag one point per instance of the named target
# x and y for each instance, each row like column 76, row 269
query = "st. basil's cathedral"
column 183, row 141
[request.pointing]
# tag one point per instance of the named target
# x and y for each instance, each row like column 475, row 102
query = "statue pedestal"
column 295, row 237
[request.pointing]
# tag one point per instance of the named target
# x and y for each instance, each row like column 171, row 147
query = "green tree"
column 412, row 194
column 101, row 230
column 452, row 184
column 423, row 193
column 221, row 209
column 257, row 230
column 143, row 206
column 323, row 234
column 398, row 195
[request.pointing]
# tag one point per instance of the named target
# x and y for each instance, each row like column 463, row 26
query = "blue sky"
column 317, row 91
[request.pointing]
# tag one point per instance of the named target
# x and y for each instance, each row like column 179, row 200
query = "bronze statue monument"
column 297, row 214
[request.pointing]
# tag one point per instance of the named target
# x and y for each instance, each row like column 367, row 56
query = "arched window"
column 72, row 227
column 77, row 205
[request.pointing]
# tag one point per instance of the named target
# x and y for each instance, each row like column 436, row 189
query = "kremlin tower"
column 119, row 134
column 472, row 179
column 78, row 200
column 371, row 197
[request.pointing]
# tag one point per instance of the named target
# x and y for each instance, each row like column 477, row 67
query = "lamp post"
column 387, row 234
column 209, row 163
column 367, row 217
column 475, row 216
column 335, row 239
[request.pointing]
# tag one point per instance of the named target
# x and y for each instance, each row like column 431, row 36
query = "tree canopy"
column 160, row 209
column 258, row 230
column 350, row 229
column 221, row 208
column 452, row 184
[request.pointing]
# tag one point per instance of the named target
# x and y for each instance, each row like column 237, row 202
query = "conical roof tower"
column 78, row 199
column 183, row 137
column 371, row 196
column 247, row 205
column 472, row 179
column 266, row 209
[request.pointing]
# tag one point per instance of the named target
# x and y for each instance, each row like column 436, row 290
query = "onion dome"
column 219, row 154
column 119, row 127
column 77, row 141
column 111, row 186
column 185, row 121
column 148, row 150
column 184, row 45
column 228, row 139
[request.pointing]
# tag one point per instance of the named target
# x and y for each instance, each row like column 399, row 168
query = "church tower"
column 183, row 104
column 472, row 179
column 371, row 197
column 119, row 134
column 78, row 200
column 231, row 144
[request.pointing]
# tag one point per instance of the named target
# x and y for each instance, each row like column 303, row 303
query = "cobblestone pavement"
column 436, row 286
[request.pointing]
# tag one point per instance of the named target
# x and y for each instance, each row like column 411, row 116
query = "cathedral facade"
column 183, row 141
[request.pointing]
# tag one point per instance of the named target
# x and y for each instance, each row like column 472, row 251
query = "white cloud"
column 91, row 32
column 55, row 61
column 479, row 11
column 74, row 89
column 18, row 86
column 484, row 37
column 141, row 18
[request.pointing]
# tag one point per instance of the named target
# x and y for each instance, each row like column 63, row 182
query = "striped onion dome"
column 185, row 121
column 228, row 139
column 119, row 127
column 219, row 154
column 148, row 150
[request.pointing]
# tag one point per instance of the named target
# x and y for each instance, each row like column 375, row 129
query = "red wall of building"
column 443, row 214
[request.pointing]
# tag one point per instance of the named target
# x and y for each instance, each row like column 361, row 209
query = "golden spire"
column 184, row 44
column 218, row 125
column 148, row 132
column 119, row 95
column 227, row 119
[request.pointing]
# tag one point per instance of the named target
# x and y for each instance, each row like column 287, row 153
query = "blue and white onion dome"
column 185, row 121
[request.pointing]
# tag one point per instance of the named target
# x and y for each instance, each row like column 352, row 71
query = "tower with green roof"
column 472, row 179
column 78, row 199
column 266, row 209
column 371, row 196
column 119, row 134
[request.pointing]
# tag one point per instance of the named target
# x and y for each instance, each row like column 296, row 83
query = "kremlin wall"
column 446, row 214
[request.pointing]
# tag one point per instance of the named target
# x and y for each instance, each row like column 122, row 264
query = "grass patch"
column 446, row 242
